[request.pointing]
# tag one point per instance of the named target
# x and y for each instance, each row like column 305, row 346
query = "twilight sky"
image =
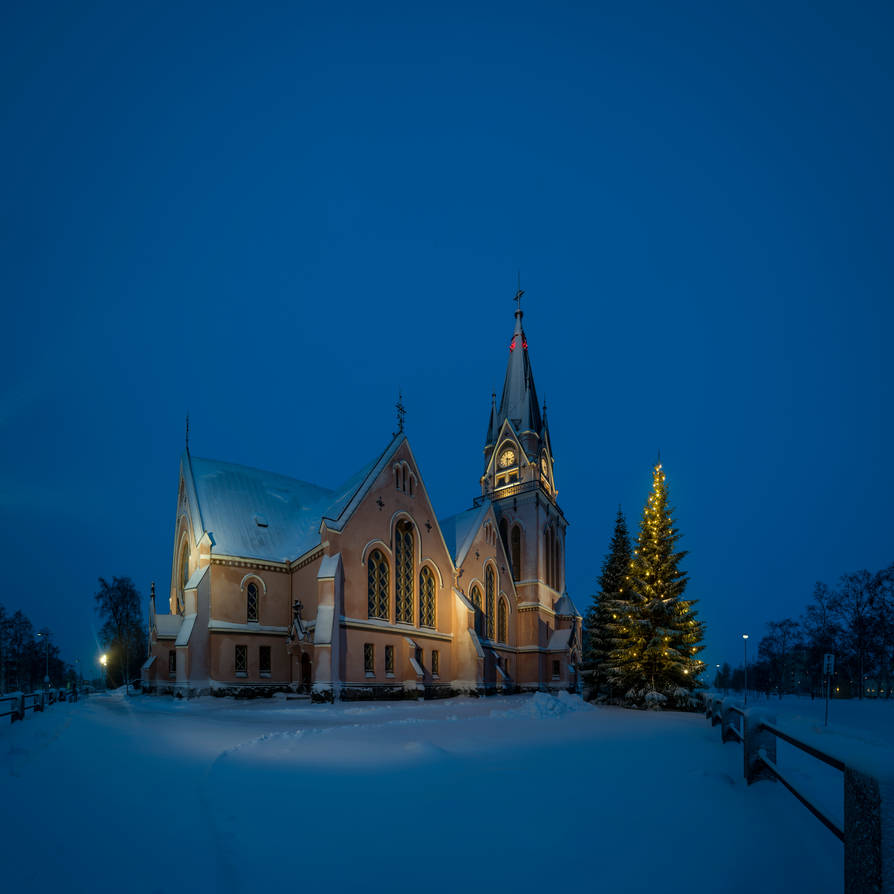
column 275, row 218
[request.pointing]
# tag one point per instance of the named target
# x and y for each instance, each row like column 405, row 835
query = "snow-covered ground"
column 526, row 793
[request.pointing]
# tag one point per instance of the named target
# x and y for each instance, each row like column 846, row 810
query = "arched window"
column 504, row 534
column 558, row 582
column 251, row 601
column 516, row 552
column 502, row 621
column 377, row 585
column 426, row 598
column 490, row 586
column 476, row 601
column 403, row 564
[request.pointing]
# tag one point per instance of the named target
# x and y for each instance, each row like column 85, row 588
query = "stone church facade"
column 362, row 591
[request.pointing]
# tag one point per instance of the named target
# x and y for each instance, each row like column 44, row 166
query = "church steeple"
column 519, row 401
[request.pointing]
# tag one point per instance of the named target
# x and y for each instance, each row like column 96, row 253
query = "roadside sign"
column 828, row 663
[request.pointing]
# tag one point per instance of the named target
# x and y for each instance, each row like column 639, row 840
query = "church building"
column 361, row 591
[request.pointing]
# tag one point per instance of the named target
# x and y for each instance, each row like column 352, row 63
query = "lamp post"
column 46, row 678
column 104, row 660
column 745, row 641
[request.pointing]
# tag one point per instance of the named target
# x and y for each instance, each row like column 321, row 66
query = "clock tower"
column 519, row 480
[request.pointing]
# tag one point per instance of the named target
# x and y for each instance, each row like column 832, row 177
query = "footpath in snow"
column 525, row 793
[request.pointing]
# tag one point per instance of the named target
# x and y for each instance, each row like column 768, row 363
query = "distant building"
column 361, row 591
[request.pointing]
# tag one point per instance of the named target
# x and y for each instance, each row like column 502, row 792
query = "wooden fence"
column 16, row 705
column 868, row 830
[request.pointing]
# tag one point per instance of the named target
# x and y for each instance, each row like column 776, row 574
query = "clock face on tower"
column 507, row 458
column 544, row 467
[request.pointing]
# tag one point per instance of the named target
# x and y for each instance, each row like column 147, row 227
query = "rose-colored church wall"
column 222, row 650
column 229, row 588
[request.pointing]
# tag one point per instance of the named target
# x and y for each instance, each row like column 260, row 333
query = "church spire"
column 519, row 401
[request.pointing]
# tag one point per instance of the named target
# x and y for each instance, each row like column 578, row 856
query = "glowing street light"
column 745, row 640
column 104, row 660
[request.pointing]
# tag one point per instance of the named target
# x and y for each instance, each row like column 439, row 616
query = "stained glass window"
column 490, row 586
column 426, row 598
column 241, row 661
column 251, row 612
column 377, row 585
column 435, row 662
column 403, row 562
column 369, row 658
column 476, row 601
column 389, row 659
column 502, row 621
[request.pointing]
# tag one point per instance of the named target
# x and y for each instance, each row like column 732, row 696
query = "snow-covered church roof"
column 459, row 530
column 264, row 515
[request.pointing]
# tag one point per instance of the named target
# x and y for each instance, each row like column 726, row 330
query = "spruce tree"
column 599, row 634
column 657, row 634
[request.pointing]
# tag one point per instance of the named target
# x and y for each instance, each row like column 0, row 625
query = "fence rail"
column 868, row 831
column 15, row 705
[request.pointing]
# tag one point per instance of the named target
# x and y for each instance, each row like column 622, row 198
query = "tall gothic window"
column 516, row 552
column 377, row 585
column 403, row 563
column 557, row 563
column 476, row 602
column 251, row 601
column 502, row 621
column 426, row 598
column 490, row 586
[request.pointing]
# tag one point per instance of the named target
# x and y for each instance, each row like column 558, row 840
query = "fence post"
column 19, row 707
column 868, row 832
column 715, row 711
column 727, row 717
column 756, row 739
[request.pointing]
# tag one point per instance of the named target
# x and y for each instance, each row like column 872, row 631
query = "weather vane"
column 401, row 413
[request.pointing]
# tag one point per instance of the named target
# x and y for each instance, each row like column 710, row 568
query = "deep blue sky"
column 276, row 217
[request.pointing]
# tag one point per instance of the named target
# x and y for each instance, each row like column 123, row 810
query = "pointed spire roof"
column 492, row 428
column 519, row 401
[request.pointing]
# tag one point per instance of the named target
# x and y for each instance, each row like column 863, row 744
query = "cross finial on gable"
column 401, row 413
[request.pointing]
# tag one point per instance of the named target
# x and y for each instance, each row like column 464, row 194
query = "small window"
column 555, row 670
column 264, row 661
column 389, row 660
column 172, row 663
column 251, row 608
column 369, row 659
column 241, row 661
column 435, row 663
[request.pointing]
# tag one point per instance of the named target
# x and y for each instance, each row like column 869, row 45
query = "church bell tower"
column 519, row 479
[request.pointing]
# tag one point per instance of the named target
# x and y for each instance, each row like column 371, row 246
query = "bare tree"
column 854, row 607
column 118, row 605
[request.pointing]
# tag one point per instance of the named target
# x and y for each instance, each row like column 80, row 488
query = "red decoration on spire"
column 525, row 344
column 512, row 346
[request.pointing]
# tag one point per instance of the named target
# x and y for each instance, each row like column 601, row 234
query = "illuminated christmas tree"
column 599, row 633
column 655, row 631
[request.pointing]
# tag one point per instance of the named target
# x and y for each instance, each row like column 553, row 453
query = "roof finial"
column 493, row 400
column 658, row 463
column 401, row 413
column 518, row 295
column 187, row 431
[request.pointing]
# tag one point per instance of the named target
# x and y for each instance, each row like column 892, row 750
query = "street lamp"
column 46, row 639
column 104, row 660
column 745, row 640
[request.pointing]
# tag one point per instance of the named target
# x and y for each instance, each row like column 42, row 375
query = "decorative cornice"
column 255, row 564
column 396, row 629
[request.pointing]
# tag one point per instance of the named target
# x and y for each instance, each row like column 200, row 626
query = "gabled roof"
column 168, row 625
column 459, row 530
column 263, row 515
